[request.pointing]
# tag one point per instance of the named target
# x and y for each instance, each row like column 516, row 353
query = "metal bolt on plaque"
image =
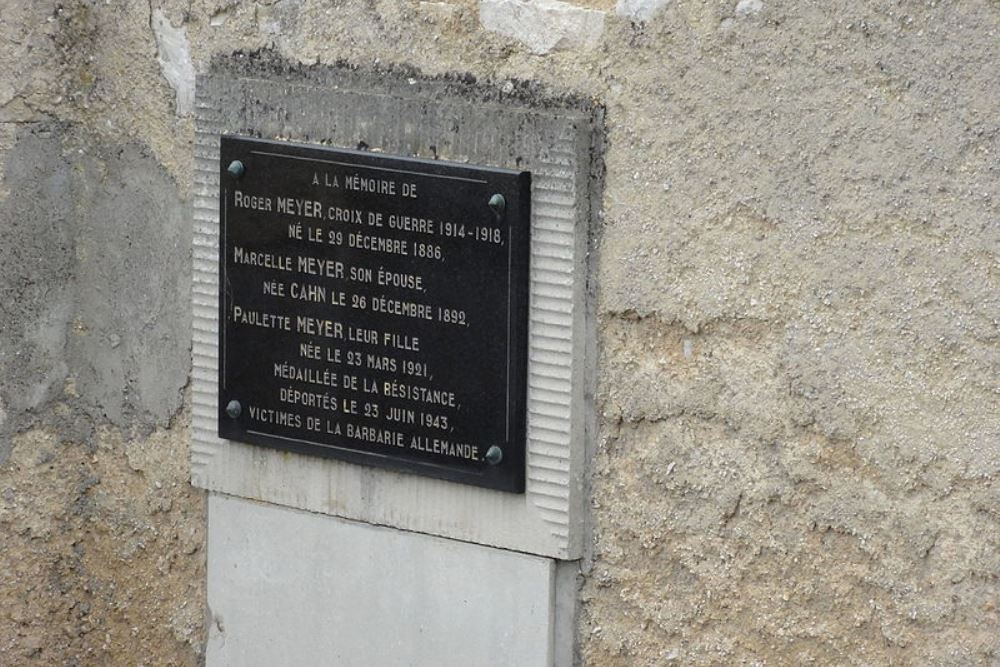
column 399, row 282
column 498, row 204
column 234, row 409
column 494, row 455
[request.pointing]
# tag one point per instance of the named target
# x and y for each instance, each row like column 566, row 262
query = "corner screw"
column 233, row 409
column 498, row 204
column 236, row 169
column 494, row 455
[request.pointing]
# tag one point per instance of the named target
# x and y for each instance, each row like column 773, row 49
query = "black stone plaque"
column 373, row 308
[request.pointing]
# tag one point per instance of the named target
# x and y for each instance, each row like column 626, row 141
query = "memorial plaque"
column 374, row 309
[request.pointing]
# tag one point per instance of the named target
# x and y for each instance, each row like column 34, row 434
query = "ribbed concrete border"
column 414, row 117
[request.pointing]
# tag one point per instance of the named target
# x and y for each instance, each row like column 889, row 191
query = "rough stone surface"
column 798, row 280
column 102, row 560
column 37, row 60
column 800, row 361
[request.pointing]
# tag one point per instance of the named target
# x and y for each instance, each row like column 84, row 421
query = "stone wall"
column 102, row 536
column 798, row 312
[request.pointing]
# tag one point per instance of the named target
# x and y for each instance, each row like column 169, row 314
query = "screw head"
column 236, row 169
column 494, row 455
column 233, row 409
column 498, row 204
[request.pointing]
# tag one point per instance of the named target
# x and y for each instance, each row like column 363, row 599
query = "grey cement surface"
column 36, row 251
column 288, row 587
column 95, row 245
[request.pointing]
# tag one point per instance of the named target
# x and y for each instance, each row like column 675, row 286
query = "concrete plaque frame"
column 557, row 141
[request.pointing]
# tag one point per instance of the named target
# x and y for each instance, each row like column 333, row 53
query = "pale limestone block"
column 543, row 25
column 174, row 55
column 640, row 10
column 439, row 11
column 748, row 7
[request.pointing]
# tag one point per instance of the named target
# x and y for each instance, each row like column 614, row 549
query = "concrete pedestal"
column 289, row 587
